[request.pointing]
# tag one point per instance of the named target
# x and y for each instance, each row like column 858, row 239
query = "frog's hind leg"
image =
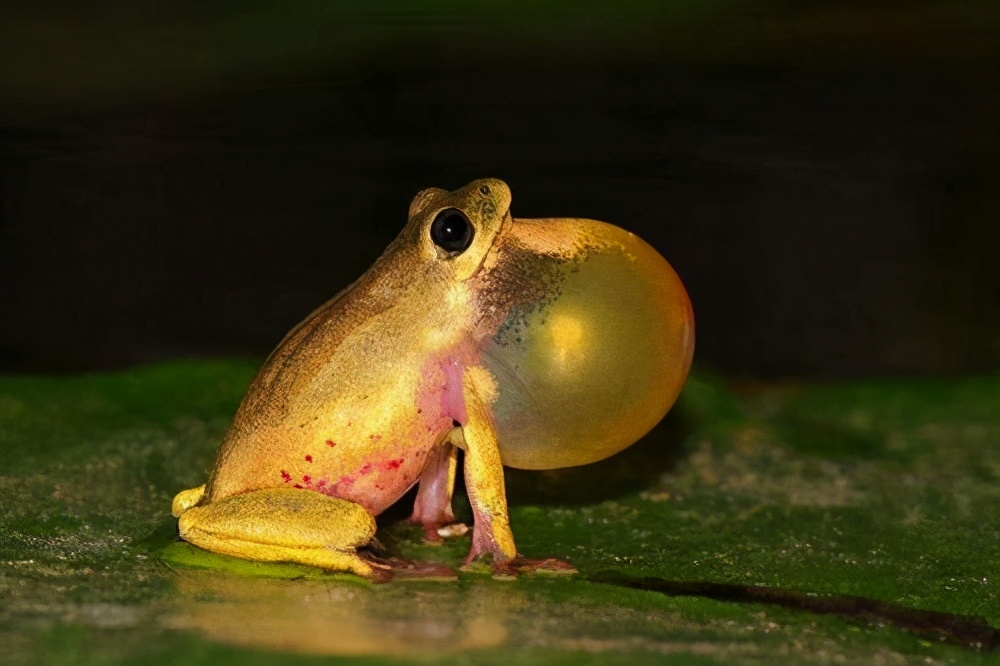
column 284, row 525
column 432, row 508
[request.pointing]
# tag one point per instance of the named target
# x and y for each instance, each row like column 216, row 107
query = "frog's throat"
column 452, row 399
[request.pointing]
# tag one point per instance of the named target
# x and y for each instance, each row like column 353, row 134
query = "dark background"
column 179, row 180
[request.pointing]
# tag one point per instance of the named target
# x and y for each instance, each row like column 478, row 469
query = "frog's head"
column 587, row 330
column 457, row 230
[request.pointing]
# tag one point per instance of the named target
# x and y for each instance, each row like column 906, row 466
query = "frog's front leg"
column 491, row 533
column 432, row 508
column 281, row 525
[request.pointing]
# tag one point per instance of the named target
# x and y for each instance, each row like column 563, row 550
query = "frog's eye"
column 452, row 231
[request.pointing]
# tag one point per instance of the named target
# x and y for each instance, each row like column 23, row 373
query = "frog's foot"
column 432, row 508
column 452, row 530
column 523, row 565
column 512, row 567
column 285, row 525
column 436, row 532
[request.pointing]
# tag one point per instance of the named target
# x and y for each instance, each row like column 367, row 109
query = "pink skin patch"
column 376, row 484
column 440, row 399
column 452, row 400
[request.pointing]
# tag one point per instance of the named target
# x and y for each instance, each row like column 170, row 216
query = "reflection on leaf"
column 341, row 618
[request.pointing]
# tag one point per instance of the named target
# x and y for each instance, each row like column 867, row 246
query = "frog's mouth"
column 504, row 230
column 491, row 257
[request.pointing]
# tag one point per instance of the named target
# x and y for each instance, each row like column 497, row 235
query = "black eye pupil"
column 451, row 230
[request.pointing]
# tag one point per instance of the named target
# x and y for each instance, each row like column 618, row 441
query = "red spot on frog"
column 391, row 464
column 306, row 479
column 330, row 442
column 420, row 410
column 298, row 485
column 286, row 476
column 374, row 438
column 367, row 467
column 321, row 483
column 309, row 458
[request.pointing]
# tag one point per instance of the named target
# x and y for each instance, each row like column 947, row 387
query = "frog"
column 530, row 343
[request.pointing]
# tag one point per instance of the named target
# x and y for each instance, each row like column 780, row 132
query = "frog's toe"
column 436, row 533
column 452, row 530
column 187, row 499
column 548, row 565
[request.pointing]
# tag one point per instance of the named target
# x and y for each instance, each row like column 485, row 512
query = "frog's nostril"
column 484, row 190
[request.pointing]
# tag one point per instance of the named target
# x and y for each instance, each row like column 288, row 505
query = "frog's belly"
column 373, row 469
column 378, row 482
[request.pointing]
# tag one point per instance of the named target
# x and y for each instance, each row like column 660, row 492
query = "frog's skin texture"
column 544, row 343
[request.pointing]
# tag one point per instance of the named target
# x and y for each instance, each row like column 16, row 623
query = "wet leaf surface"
column 689, row 545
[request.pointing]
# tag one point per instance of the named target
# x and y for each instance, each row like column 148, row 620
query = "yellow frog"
column 530, row 343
